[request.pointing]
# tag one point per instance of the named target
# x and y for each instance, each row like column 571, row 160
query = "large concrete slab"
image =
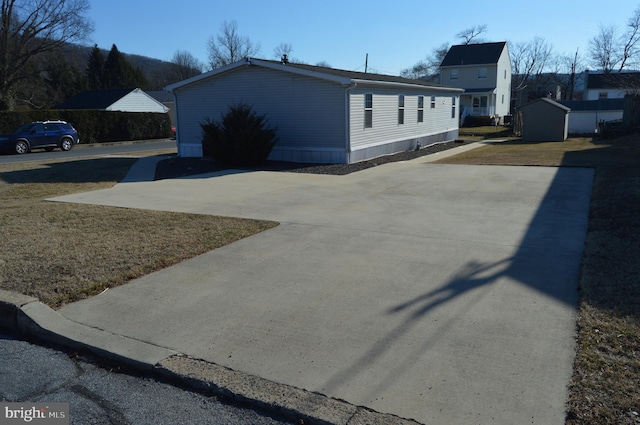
column 441, row 293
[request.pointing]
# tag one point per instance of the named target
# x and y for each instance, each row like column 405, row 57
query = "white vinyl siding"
column 385, row 117
column 503, row 85
column 306, row 111
column 138, row 101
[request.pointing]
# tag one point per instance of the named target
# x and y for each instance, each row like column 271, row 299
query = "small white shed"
column 322, row 115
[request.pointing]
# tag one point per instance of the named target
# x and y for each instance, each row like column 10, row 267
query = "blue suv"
column 47, row 135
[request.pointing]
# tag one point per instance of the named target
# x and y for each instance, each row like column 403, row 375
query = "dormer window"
column 454, row 74
column 482, row 73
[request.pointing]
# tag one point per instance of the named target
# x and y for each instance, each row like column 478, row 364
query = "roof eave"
column 406, row 85
column 189, row 81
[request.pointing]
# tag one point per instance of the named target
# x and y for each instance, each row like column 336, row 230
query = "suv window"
column 53, row 127
column 38, row 128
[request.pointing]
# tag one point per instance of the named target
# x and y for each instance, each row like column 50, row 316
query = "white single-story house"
column 124, row 100
column 586, row 115
column 322, row 115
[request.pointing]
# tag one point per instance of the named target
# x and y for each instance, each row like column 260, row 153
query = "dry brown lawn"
column 605, row 388
column 61, row 252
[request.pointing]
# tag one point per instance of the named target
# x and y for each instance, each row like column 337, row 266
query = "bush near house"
column 241, row 138
column 96, row 126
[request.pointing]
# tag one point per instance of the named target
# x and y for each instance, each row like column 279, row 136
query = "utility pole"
column 366, row 63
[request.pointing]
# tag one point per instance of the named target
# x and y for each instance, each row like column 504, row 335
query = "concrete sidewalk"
column 439, row 293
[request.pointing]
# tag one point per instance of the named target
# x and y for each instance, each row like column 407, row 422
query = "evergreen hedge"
column 96, row 126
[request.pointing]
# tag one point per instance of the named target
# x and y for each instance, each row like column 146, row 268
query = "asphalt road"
column 79, row 151
column 99, row 395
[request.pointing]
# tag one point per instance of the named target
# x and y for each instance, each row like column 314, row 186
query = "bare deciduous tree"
column 604, row 49
column 229, row 46
column 186, row 65
column 571, row 65
column 470, row 35
column 429, row 68
column 283, row 49
column 630, row 41
column 31, row 28
column 530, row 59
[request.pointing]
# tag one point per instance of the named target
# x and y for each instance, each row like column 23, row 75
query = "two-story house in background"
column 613, row 85
column 484, row 72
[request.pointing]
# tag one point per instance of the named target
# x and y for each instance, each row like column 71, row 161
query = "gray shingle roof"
column 613, row 80
column 594, row 105
column 367, row 76
column 160, row 95
column 95, row 99
column 474, row 54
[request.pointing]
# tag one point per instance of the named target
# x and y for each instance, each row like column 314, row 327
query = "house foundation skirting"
column 307, row 154
column 401, row 146
column 338, row 156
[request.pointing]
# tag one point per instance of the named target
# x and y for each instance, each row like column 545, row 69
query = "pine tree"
column 95, row 69
column 115, row 70
column 120, row 74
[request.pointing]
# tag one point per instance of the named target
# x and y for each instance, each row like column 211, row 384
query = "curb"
column 27, row 317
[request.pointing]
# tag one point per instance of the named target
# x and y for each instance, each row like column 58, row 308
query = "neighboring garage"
column 586, row 115
column 322, row 115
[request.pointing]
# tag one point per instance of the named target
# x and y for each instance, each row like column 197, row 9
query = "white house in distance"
column 614, row 85
column 484, row 72
column 322, row 115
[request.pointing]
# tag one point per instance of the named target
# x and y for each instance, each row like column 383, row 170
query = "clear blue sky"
column 395, row 34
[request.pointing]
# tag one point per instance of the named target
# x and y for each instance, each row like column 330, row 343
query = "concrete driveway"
column 441, row 293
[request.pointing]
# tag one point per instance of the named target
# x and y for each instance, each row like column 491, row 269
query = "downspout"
column 175, row 111
column 347, row 120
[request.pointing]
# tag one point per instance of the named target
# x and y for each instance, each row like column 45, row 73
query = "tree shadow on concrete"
column 546, row 260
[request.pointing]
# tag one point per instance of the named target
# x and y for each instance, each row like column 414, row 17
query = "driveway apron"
column 440, row 293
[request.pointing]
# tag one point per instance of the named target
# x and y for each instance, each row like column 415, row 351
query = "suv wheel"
column 66, row 144
column 21, row 147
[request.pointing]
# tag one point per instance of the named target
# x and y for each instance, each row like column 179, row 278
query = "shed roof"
column 339, row 76
column 548, row 101
column 95, row 99
column 474, row 54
